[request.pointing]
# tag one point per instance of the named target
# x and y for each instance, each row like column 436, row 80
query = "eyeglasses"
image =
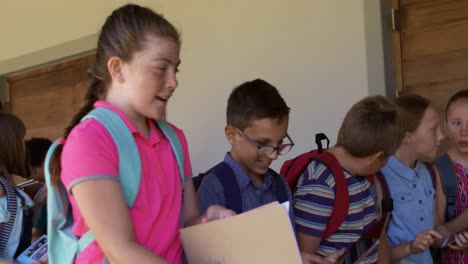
column 265, row 150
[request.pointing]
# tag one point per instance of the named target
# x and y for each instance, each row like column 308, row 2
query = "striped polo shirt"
column 313, row 205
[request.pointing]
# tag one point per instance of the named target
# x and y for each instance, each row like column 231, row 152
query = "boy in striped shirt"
column 368, row 136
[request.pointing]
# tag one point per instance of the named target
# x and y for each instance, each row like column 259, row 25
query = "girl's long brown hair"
column 12, row 148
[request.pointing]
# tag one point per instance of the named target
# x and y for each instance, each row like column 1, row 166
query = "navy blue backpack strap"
column 449, row 180
column 432, row 173
column 387, row 201
column 12, row 206
column 386, row 208
column 280, row 188
column 231, row 188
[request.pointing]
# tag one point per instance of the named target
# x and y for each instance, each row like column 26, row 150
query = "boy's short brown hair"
column 370, row 126
column 254, row 100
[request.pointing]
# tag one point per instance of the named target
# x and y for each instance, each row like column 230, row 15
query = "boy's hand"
column 316, row 259
column 460, row 241
column 216, row 212
column 423, row 240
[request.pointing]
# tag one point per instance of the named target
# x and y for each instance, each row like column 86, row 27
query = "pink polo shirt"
column 90, row 153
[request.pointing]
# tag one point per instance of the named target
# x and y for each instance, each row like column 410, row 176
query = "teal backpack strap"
column 171, row 135
column 129, row 157
column 59, row 217
column 85, row 240
column 449, row 180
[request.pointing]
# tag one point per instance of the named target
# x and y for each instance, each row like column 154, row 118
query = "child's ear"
column 408, row 137
column 230, row 133
column 115, row 67
column 381, row 155
column 377, row 157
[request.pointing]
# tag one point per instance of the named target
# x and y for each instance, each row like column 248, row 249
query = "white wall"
column 375, row 45
column 305, row 48
column 313, row 51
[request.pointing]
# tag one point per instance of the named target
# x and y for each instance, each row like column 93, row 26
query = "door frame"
column 44, row 57
column 32, row 71
column 391, row 48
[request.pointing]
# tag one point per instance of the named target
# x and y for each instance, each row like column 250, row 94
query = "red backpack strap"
column 370, row 179
column 341, row 203
column 293, row 169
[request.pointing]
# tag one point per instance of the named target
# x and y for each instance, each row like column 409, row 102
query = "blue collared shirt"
column 413, row 199
column 211, row 190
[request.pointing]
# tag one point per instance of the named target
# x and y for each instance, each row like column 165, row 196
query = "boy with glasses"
column 257, row 124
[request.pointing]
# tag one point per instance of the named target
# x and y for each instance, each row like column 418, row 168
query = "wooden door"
column 431, row 48
column 47, row 98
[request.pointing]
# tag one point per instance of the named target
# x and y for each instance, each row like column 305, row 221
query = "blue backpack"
column 449, row 181
column 63, row 245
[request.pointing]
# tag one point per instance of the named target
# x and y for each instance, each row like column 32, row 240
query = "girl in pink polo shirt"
column 137, row 59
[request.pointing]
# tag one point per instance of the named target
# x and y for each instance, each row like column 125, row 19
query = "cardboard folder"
column 262, row 235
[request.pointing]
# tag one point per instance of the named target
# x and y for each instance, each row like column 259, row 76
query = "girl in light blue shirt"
column 411, row 229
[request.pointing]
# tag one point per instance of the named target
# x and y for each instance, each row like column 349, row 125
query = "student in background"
column 37, row 149
column 15, row 212
column 456, row 122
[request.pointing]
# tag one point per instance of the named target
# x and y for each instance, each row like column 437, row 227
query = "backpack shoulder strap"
column 129, row 157
column 386, row 207
column 293, row 169
column 60, row 219
column 280, row 189
column 387, row 200
column 171, row 135
column 449, row 181
column 26, row 225
column 57, row 196
column 432, row 173
column 12, row 207
column 341, row 205
column 230, row 185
